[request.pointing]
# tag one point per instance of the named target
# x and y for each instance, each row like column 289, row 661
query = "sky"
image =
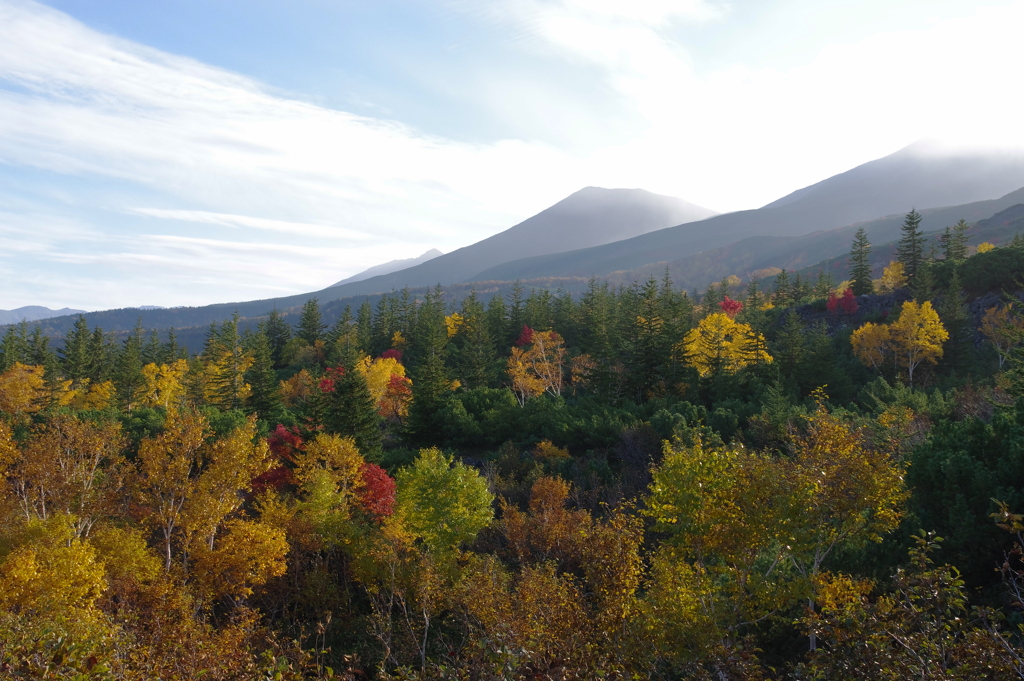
column 186, row 152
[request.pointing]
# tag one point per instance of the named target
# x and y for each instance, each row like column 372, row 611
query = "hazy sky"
column 176, row 152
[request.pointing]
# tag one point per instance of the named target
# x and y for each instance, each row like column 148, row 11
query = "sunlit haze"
column 189, row 152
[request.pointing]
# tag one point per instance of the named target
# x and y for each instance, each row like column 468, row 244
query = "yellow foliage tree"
column 1004, row 328
column 388, row 385
column 893, row 278
column 538, row 367
column 985, row 247
column 22, row 390
column 917, row 336
column 871, row 344
column 164, row 384
column 720, row 344
column 92, row 396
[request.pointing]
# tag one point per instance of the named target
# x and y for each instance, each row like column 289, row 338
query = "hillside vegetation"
column 804, row 479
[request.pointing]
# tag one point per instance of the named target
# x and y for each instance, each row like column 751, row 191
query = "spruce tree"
column 14, row 346
column 364, row 326
column 474, row 353
column 956, row 318
column 350, row 409
column 128, row 377
column 431, row 385
column 954, row 241
column 311, row 326
column 265, row 395
column 783, row 290
column 75, row 357
column 860, row 265
column 278, row 334
column 910, row 250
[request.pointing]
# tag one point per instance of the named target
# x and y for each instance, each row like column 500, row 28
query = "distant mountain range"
column 31, row 313
column 920, row 175
column 625, row 235
column 389, row 267
column 590, row 217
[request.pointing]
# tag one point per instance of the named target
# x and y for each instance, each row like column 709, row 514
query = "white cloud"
column 215, row 186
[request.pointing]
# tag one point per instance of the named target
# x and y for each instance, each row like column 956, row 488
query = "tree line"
column 799, row 479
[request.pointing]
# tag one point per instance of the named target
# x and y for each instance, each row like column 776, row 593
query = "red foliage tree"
column 377, row 496
column 392, row 354
column 730, row 307
column 848, row 303
column 326, row 384
column 833, row 303
column 525, row 338
column 284, row 444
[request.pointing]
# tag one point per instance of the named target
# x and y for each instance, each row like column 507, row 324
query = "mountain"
column 996, row 220
column 31, row 313
column 389, row 267
column 590, row 217
column 922, row 175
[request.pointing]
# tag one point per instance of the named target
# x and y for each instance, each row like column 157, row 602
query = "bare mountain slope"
column 589, row 217
column 389, row 267
column 921, row 175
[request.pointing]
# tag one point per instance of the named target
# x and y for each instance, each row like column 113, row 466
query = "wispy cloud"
column 164, row 180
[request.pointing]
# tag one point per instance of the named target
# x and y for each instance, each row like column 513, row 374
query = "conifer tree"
column 350, row 409
column 102, row 352
column 75, row 358
column 311, row 326
column 364, row 326
column 431, row 385
column 910, row 250
column 278, row 334
column 954, row 241
column 151, row 349
column 128, row 377
column 473, row 348
column 783, row 291
column 860, row 265
column 265, row 395
column 14, row 347
column 225, row 364
column 956, row 318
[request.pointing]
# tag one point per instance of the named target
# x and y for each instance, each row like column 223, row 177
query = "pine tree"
column 860, row 265
column 311, row 326
column 364, row 326
column 910, row 250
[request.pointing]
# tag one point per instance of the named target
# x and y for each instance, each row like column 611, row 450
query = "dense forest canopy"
column 794, row 478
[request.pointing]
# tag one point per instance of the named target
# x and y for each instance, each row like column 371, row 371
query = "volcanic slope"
column 590, row 217
column 922, row 175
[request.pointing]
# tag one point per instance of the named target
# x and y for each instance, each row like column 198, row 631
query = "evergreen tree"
column 75, row 357
column 431, row 385
column 910, row 250
column 103, row 356
column 956, row 318
column 225, row 364
column 860, row 265
column 497, row 322
column 790, row 351
column 364, row 326
column 278, row 334
column 128, row 377
column 954, row 241
column 265, row 395
column 152, row 349
column 474, row 353
column 14, row 347
column 783, row 290
column 516, row 313
column 351, row 411
column 311, row 326
column 171, row 351
column 824, row 286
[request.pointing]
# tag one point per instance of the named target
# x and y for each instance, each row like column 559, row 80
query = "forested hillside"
column 800, row 477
